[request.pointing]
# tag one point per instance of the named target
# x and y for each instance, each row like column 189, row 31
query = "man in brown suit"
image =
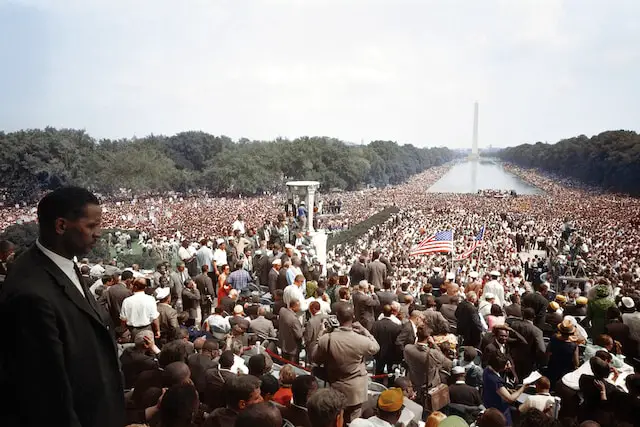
column 343, row 352
column 168, row 318
column 425, row 360
column 113, row 296
column 377, row 271
column 364, row 304
column 290, row 331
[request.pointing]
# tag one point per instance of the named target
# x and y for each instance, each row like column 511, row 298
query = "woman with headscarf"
column 597, row 307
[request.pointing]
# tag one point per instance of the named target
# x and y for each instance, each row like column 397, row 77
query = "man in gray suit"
column 178, row 278
column 377, row 271
column 262, row 326
column 423, row 356
column 290, row 331
column 364, row 304
column 272, row 280
column 313, row 329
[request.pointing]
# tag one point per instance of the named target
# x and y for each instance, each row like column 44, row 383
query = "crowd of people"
column 537, row 326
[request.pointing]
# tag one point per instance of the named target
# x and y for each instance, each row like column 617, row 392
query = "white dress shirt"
column 238, row 365
column 64, row 264
column 294, row 292
column 139, row 310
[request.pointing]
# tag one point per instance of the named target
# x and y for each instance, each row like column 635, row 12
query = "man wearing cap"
column 496, row 288
column 389, row 409
column 364, row 304
column 436, row 281
column 168, row 316
column 484, row 308
column 276, row 264
column 460, row 393
column 630, row 317
column 579, row 308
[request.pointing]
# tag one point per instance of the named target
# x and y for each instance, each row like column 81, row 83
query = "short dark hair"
column 65, row 202
column 528, row 313
column 496, row 310
column 176, row 373
column 257, row 365
column 324, row 406
column 470, row 353
column 599, row 367
column 226, row 359
column 263, row 414
column 268, row 384
column 178, row 404
column 210, row 345
column 173, row 351
column 126, row 275
column 301, row 387
column 492, row 418
column 240, row 388
column 498, row 361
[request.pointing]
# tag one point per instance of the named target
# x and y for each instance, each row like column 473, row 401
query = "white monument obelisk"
column 474, row 145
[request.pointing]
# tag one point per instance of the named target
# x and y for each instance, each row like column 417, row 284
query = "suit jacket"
column 312, row 331
column 215, row 379
column 364, row 308
column 575, row 310
column 176, row 284
column 343, row 352
column 298, row 416
column 449, row 313
column 168, row 320
column 134, row 362
column 262, row 326
column 436, row 322
column 358, row 272
column 112, row 299
column 386, row 332
column 464, row 394
column 63, row 343
column 513, row 310
column 385, row 298
column 469, row 325
column 539, row 304
column 199, row 364
column 290, row 331
column 282, row 283
column 377, row 273
column 425, row 363
column 272, row 281
column 527, row 356
column 442, row 299
column 191, row 301
column 406, row 336
column 204, row 284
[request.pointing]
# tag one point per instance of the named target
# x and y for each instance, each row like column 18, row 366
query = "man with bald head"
column 343, row 352
column 262, row 326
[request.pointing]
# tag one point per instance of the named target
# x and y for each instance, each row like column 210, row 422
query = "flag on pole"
column 476, row 242
column 442, row 241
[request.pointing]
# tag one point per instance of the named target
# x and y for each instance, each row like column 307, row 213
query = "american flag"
column 476, row 242
column 442, row 241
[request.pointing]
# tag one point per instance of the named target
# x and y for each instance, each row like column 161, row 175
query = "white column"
column 311, row 195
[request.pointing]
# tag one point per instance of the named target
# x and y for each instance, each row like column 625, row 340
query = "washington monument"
column 474, row 144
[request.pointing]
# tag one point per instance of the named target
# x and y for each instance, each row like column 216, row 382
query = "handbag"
column 437, row 397
column 322, row 372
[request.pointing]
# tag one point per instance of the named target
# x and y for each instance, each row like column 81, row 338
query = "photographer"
column 343, row 353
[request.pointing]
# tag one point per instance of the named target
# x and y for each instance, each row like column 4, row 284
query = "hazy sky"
column 357, row 70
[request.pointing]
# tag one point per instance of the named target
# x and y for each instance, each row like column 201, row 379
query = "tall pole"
column 474, row 146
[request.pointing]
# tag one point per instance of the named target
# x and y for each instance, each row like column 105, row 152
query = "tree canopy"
column 610, row 160
column 37, row 160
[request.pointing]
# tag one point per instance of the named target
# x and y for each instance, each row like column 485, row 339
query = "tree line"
column 610, row 160
column 37, row 160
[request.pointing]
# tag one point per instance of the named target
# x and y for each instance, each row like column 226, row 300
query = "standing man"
column 343, row 352
column 206, row 289
column 377, row 271
column 365, row 302
column 114, row 295
column 60, row 336
column 469, row 325
column 139, row 311
column 290, row 331
column 276, row 264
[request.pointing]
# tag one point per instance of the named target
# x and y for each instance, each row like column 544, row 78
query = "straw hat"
column 566, row 327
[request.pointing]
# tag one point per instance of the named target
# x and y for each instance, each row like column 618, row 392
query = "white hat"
column 276, row 261
column 457, row 370
column 436, row 269
column 473, row 274
column 451, row 276
column 494, row 273
column 302, row 203
column 219, row 241
column 162, row 293
column 289, row 246
column 627, row 302
column 489, row 295
column 238, row 309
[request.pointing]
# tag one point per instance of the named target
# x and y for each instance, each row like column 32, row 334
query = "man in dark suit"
column 274, row 274
column 364, row 305
column 206, row 289
column 113, row 296
column 469, row 325
column 313, row 329
column 539, row 302
column 358, row 271
column 386, row 296
column 302, row 388
column 461, row 393
column 200, row 363
column 386, row 332
column 514, row 309
column 62, row 355
column 527, row 356
column 290, row 331
column 408, row 332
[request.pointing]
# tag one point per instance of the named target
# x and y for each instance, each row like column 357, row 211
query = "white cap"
column 473, row 274
column 289, row 246
column 627, row 302
column 162, row 293
column 457, row 370
column 495, row 273
column 219, row 241
column 436, row 269
column 276, row 261
column 238, row 309
column 451, row 276
column 489, row 295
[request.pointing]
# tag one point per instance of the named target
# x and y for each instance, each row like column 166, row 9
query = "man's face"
column 181, row 268
column 254, row 399
column 81, row 235
column 162, row 269
column 502, row 336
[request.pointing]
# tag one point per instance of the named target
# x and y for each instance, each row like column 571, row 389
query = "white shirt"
column 541, row 402
column 183, row 253
column 496, row 289
column 204, row 255
column 238, row 225
column 238, row 365
column 393, row 318
column 94, row 286
column 293, row 292
column 325, row 307
column 64, row 264
column 218, row 325
column 139, row 310
column 220, row 257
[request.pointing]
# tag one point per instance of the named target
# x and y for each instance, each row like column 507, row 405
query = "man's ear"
column 242, row 404
column 61, row 225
